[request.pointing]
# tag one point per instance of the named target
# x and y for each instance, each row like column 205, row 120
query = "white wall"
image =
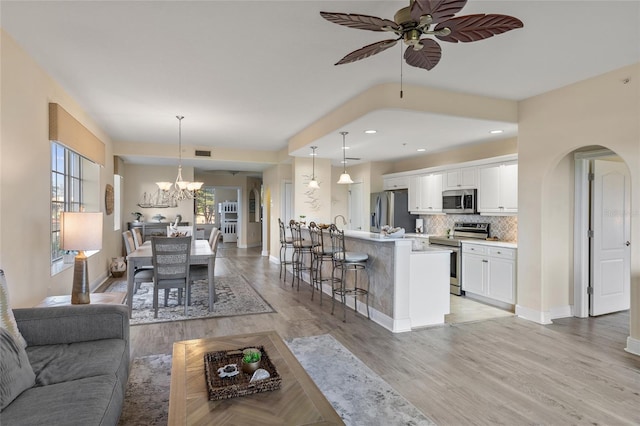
column 25, row 218
column 599, row 111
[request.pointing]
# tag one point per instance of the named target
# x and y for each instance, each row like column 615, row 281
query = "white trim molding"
column 633, row 346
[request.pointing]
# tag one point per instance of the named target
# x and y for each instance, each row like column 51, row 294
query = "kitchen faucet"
column 344, row 221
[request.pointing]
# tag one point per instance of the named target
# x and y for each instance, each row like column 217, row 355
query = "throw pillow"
column 16, row 374
column 7, row 320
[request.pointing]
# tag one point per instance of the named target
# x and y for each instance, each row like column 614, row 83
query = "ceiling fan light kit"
column 424, row 18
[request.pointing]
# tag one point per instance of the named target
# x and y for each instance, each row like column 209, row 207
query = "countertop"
column 371, row 236
column 505, row 244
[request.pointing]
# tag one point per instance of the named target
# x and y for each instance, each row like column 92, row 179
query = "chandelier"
column 180, row 189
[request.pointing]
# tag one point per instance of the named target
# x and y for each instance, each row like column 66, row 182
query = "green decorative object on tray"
column 251, row 360
column 240, row 384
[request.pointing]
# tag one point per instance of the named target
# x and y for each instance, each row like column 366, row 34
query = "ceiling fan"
column 424, row 17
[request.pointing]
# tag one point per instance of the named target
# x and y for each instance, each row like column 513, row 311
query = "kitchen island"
column 408, row 287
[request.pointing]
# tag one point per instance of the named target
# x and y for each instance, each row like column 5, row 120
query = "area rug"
column 235, row 297
column 356, row 392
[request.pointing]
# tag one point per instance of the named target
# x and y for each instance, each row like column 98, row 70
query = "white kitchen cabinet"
column 489, row 271
column 396, row 182
column 425, row 194
column 498, row 188
column 465, row 178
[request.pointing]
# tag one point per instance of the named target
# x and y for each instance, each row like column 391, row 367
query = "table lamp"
column 80, row 231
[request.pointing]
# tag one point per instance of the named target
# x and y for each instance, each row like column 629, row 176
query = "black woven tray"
column 238, row 385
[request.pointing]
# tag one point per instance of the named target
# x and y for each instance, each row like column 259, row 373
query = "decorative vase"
column 117, row 267
column 250, row 368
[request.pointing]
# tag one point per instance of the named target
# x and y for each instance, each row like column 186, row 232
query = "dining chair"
column 171, row 257
column 137, row 237
column 201, row 272
column 322, row 252
column 140, row 275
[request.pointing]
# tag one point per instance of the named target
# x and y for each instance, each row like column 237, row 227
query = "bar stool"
column 321, row 253
column 302, row 249
column 347, row 261
column 286, row 243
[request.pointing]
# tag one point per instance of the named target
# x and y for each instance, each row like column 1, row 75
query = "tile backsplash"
column 504, row 228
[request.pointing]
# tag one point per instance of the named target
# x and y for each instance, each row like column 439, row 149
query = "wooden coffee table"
column 297, row 402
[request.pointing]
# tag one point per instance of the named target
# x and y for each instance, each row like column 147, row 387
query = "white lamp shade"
column 81, row 231
column 313, row 184
column 345, row 178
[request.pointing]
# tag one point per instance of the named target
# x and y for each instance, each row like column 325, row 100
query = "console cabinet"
column 489, row 271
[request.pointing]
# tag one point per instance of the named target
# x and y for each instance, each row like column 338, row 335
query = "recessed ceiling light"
column 371, row 132
column 496, row 132
column 421, row 149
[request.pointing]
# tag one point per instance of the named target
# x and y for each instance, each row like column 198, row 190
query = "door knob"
column 628, row 243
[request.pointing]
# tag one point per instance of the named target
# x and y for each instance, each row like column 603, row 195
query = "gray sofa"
column 80, row 356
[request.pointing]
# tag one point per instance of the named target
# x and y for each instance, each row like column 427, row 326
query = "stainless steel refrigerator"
column 391, row 208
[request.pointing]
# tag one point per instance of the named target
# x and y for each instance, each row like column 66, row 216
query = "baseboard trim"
column 540, row 317
column 633, row 346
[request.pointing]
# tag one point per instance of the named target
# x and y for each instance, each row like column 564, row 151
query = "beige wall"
column 140, row 179
column 314, row 204
column 25, row 180
column 273, row 179
column 600, row 111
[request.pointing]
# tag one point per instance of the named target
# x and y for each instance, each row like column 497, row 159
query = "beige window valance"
column 68, row 131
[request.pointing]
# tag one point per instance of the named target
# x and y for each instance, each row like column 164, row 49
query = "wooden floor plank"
column 503, row 370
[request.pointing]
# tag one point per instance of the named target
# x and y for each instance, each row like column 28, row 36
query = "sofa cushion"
column 16, row 374
column 85, row 402
column 7, row 320
column 65, row 362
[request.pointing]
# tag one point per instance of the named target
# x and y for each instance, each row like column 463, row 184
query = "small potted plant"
column 138, row 215
column 251, row 360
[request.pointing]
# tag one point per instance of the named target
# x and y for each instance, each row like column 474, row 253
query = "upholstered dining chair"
column 140, row 275
column 201, row 272
column 171, row 257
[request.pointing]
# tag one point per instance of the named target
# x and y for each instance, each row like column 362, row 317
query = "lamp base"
column 81, row 288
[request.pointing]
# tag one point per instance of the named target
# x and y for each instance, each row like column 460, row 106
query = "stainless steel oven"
column 461, row 231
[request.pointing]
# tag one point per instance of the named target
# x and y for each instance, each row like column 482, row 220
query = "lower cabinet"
column 489, row 271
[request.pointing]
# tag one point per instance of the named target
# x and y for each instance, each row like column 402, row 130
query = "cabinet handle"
column 628, row 243
column 499, row 252
column 485, row 260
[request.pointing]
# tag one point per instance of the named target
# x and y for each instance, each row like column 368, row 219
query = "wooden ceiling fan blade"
column 360, row 22
column 368, row 50
column 438, row 9
column 427, row 57
column 470, row 28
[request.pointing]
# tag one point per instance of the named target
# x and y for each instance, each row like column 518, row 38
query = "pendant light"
column 344, row 177
column 313, row 184
column 180, row 189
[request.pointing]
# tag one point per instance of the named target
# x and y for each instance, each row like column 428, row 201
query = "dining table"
column 201, row 254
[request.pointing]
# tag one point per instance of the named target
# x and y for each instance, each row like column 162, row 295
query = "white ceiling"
column 252, row 74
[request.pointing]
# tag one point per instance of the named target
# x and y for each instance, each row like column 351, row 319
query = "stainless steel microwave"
column 460, row 201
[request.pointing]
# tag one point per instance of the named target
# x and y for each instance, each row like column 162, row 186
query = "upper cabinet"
column 498, row 188
column 396, row 182
column 465, row 178
column 425, row 194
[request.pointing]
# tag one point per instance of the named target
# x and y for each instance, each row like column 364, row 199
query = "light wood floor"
column 503, row 370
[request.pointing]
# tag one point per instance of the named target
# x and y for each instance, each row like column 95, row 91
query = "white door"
column 610, row 251
column 356, row 207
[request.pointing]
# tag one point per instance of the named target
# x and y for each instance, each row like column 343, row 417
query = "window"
column 205, row 205
column 74, row 187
